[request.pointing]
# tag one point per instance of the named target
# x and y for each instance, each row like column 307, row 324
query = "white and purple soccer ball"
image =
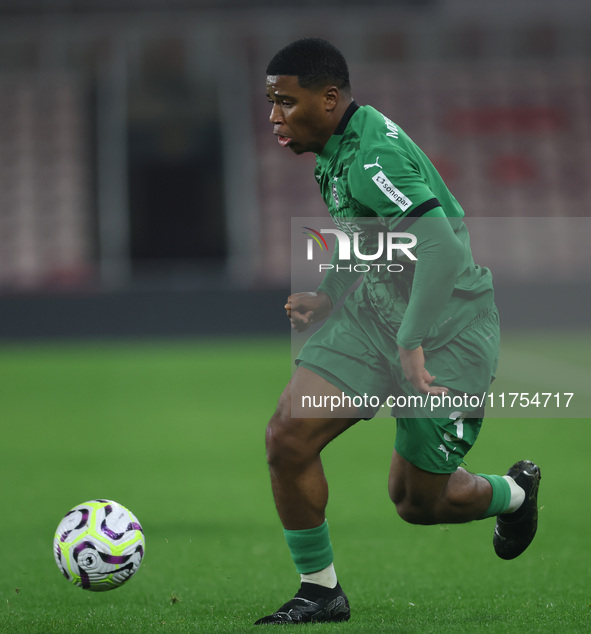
column 99, row 545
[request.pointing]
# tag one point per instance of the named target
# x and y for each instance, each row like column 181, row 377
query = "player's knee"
column 285, row 446
column 412, row 508
column 415, row 512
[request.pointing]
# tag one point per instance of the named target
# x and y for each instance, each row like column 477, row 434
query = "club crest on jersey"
column 335, row 193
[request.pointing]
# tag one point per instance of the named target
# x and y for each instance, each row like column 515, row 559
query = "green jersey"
column 370, row 168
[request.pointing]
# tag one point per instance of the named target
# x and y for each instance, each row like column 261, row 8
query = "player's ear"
column 331, row 98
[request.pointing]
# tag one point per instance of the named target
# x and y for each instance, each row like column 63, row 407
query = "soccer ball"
column 99, row 545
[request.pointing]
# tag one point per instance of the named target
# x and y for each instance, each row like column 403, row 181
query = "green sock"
column 310, row 548
column 501, row 495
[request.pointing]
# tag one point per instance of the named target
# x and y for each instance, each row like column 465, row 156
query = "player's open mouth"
column 283, row 141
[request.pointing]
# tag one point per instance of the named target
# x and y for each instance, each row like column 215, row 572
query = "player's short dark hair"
column 314, row 61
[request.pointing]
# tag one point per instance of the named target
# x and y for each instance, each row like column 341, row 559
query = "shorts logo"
column 394, row 194
column 445, row 451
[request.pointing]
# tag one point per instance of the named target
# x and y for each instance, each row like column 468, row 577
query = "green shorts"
column 354, row 354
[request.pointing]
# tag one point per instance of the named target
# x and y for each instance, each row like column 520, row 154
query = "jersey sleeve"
column 388, row 183
column 439, row 261
column 391, row 186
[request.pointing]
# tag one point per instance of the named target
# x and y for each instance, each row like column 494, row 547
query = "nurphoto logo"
column 387, row 245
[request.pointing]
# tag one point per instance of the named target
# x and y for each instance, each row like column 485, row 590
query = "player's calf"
column 422, row 497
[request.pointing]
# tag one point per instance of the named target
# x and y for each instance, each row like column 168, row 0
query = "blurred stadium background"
column 141, row 192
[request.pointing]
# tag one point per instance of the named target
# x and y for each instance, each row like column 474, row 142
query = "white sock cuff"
column 326, row 577
column 517, row 495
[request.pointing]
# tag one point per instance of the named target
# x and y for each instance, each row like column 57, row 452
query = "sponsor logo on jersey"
column 393, row 193
column 392, row 128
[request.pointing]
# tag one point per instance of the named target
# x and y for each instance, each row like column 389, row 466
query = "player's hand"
column 413, row 366
column 305, row 309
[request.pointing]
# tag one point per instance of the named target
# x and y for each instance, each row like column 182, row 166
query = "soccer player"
column 390, row 336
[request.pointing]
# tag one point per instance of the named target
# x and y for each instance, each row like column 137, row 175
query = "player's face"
column 299, row 115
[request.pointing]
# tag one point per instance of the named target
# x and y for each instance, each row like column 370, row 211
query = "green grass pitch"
column 175, row 432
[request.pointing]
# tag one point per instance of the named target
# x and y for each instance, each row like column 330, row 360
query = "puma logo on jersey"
column 376, row 164
column 445, row 451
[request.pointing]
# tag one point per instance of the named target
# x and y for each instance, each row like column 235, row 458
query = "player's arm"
column 440, row 256
column 439, row 260
column 394, row 189
column 397, row 193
